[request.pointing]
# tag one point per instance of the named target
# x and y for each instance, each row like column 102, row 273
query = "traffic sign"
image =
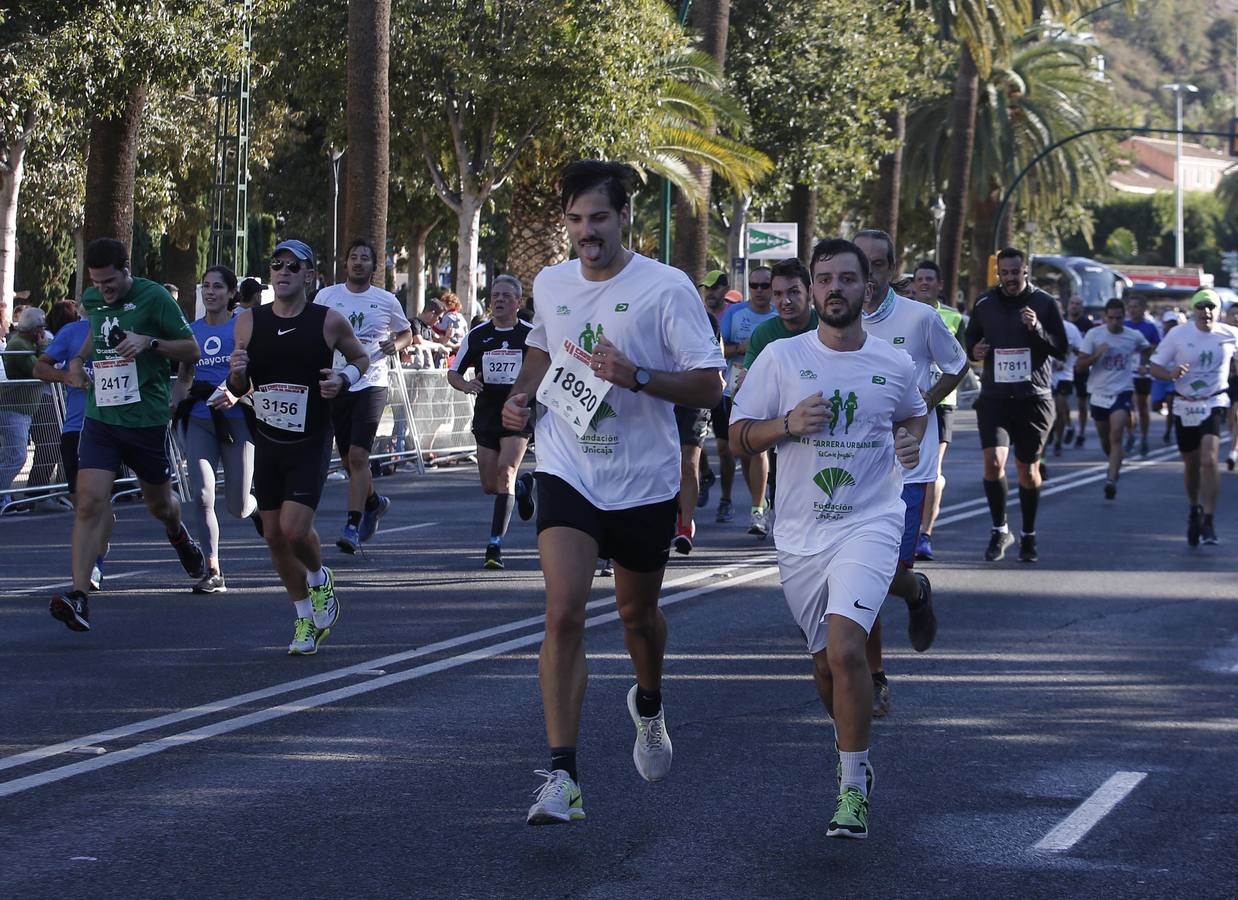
column 771, row 240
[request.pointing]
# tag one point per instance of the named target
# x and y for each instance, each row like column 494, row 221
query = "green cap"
column 1205, row 297
column 711, row 279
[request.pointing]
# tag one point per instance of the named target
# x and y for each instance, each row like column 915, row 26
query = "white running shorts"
column 849, row 579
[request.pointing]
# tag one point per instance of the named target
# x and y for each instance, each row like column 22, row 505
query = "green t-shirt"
column 147, row 309
column 773, row 330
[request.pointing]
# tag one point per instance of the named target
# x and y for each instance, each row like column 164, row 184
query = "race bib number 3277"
column 570, row 389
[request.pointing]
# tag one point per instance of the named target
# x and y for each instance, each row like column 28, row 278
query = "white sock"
column 853, row 770
column 317, row 579
column 1002, row 528
column 305, row 609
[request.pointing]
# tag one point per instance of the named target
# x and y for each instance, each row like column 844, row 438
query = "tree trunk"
column 712, row 18
column 79, row 249
column 535, row 225
column 963, row 139
column 468, row 234
column 110, row 164
column 12, row 168
column 369, row 166
column 890, row 176
column 180, row 267
column 803, row 211
column 739, row 216
column 416, row 297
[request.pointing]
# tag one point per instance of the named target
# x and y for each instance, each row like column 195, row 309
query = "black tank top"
column 291, row 351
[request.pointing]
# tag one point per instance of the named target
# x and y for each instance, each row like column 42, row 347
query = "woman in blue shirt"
column 213, row 427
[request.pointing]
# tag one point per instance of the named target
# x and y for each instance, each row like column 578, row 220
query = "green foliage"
column 45, row 266
column 1121, row 244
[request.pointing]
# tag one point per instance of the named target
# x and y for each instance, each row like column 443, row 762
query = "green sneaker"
column 558, row 800
column 326, row 607
column 306, row 637
column 851, row 816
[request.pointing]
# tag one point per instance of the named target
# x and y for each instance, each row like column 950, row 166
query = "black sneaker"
column 71, row 608
column 189, row 552
column 1027, row 549
column 525, row 504
column 211, row 583
column 1044, row 470
column 921, row 620
column 1057, row 448
column 1207, row 532
column 1143, row 446
column 1069, row 437
column 494, row 557
column 1193, row 523
column 999, row 541
column 1079, row 439
column 1111, row 490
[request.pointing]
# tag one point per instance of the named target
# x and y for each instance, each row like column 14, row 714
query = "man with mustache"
column 840, row 513
column 1015, row 330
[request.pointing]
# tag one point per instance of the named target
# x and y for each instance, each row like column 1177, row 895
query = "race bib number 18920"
column 570, row 389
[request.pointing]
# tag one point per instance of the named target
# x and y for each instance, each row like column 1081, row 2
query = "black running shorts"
column 292, row 471
column 945, row 423
column 1081, row 383
column 144, row 450
column 1024, row 423
column 1143, row 386
column 1189, row 438
column 693, row 425
column 720, row 417
column 355, row 416
column 637, row 539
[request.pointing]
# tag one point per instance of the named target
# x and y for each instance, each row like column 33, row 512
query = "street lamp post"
column 336, row 156
column 1179, row 89
column 938, row 212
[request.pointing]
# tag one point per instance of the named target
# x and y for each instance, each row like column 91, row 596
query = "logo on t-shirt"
column 605, row 411
column 808, row 374
column 589, row 338
column 1205, row 359
column 211, row 345
column 621, row 307
column 843, row 410
column 899, row 340
column 355, row 319
column 877, row 379
column 830, row 480
column 562, row 311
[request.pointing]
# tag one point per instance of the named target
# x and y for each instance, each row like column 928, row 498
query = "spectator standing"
column 19, row 402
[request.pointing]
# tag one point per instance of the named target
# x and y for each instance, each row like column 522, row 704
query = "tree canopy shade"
column 478, row 81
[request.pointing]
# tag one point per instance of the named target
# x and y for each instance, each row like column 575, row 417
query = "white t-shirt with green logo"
column 653, row 314
column 846, row 474
column 374, row 315
column 1208, row 353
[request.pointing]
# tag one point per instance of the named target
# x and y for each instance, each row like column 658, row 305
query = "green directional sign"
column 771, row 240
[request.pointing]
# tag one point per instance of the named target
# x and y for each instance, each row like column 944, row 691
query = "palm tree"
column 1046, row 90
column 680, row 135
column 369, row 130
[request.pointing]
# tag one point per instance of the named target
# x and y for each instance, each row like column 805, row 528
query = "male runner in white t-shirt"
column 607, row 458
column 1199, row 358
column 379, row 322
column 841, row 405
column 1109, row 353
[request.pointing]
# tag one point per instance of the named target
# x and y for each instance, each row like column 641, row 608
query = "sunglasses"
column 292, row 265
column 759, row 285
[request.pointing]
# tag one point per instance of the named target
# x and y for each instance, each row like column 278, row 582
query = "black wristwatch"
column 154, row 344
column 641, row 377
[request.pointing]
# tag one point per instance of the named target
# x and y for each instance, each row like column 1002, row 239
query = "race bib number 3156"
column 282, row 405
column 570, row 389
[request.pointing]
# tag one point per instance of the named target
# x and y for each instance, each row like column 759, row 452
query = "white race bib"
column 570, row 389
column 1192, row 412
column 1103, row 399
column 501, row 366
column 732, row 377
column 1012, row 364
column 282, row 405
column 116, row 382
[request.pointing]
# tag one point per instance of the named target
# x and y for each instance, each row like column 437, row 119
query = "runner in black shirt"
column 1014, row 330
column 495, row 352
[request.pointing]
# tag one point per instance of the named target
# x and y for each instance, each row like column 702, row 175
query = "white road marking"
column 227, row 726
column 404, row 528
column 363, row 668
column 1073, row 828
column 107, row 576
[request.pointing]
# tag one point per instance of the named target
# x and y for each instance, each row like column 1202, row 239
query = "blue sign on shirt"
column 216, row 343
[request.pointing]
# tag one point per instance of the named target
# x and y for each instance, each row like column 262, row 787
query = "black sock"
column 180, row 537
column 564, row 758
column 880, row 677
column 354, row 518
column 502, row 517
column 995, row 493
column 1029, row 500
column 371, row 502
column 648, row 702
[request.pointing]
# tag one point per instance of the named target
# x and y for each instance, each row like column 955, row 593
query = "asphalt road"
column 176, row 750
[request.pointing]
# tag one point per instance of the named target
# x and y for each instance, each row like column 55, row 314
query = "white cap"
column 1172, row 315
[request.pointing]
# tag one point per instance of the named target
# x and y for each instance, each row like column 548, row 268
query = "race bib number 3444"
column 570, row 389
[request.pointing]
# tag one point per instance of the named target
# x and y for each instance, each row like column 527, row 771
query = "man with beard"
column 607, row 458
column 840, row 514
column 379, row 323
column 918, row 331
column 284, row 353
column 1015, row 329
column 495, row 351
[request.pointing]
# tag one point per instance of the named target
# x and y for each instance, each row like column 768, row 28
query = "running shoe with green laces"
column 850, row 816
column 558, row 800
column 306, row 638
column 326, row 607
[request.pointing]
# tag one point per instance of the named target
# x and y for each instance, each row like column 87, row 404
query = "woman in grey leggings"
column 213, row 427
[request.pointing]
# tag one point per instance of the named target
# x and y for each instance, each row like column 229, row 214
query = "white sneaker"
column 306, row 638
column 758, row 525
column 558, row 800
column 652, row 750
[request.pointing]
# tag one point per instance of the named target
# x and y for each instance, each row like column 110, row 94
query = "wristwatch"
column 641, row 377
column 154, row 344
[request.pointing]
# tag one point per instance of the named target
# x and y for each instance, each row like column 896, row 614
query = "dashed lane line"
column 1074, row 827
